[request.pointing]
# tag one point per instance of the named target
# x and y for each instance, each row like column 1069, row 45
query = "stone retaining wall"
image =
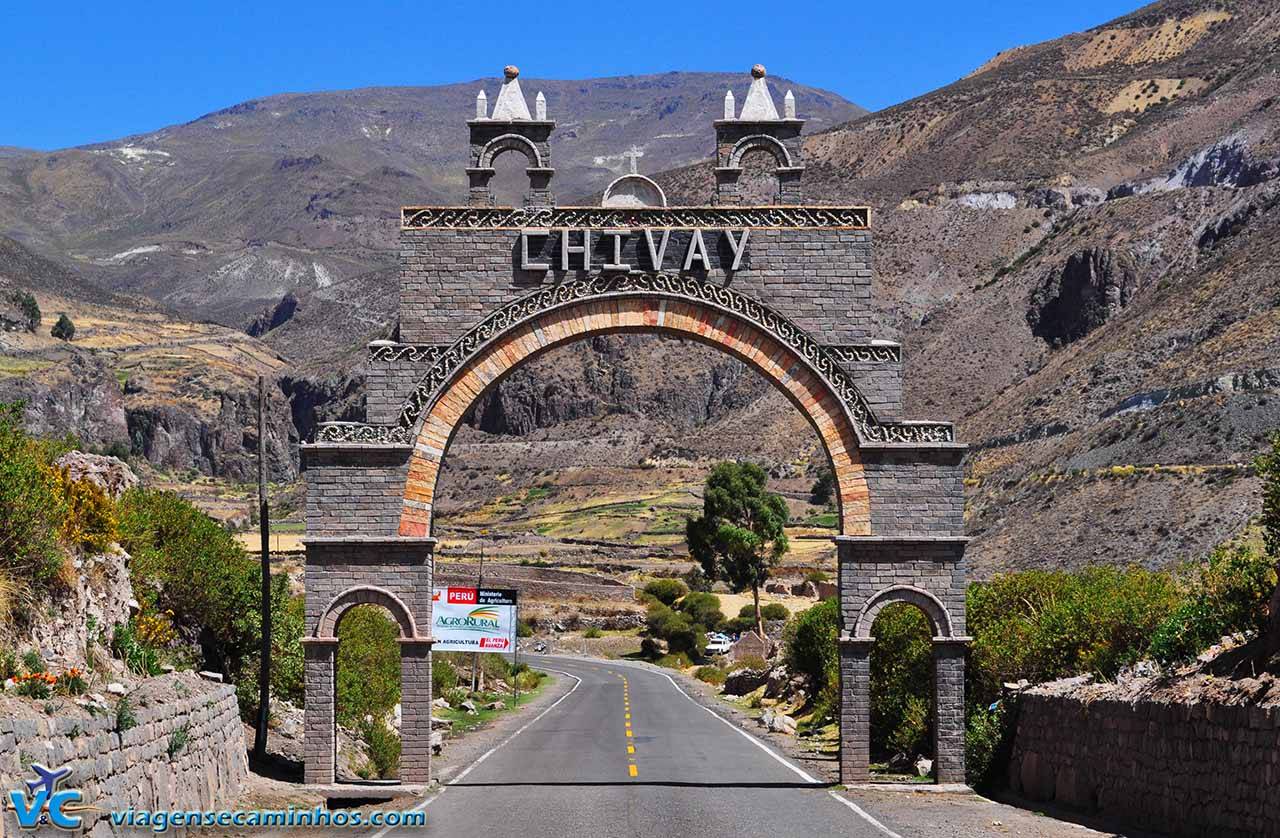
column 145, row 766
column 1181, row 768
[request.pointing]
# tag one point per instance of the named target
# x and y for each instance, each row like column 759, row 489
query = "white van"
column 718, row 644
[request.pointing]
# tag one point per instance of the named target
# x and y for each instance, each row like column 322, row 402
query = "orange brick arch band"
column 649, row 313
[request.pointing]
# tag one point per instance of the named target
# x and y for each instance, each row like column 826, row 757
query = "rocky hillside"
column 135, row 378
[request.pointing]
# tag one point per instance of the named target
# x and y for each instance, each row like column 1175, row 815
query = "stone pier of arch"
column 479, row 298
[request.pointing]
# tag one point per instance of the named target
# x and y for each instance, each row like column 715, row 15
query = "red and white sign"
column 461, row 596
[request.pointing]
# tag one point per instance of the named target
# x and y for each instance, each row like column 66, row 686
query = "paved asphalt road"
column 677, row 770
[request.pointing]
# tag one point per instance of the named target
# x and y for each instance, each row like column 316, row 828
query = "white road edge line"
column 858, row 810
column 424, row 804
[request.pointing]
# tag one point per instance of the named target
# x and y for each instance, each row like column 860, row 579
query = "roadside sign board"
column 473, row 619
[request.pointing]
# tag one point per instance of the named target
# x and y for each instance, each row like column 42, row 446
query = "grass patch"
column 22, row 366
column 825, row 520
column 464, row 723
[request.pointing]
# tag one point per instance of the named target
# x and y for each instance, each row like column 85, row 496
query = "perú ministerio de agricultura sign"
column 473, row 619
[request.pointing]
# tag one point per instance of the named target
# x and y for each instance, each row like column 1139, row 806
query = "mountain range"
column 1078, row 245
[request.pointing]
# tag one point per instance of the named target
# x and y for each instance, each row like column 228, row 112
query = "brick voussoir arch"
column 643, row 311
column 939, row 617
column 327, row 626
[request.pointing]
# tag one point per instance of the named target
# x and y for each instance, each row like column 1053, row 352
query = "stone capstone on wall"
column 141, row 767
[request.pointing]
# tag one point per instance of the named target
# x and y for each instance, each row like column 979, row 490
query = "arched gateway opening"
column 650, row 304
column 786, row 288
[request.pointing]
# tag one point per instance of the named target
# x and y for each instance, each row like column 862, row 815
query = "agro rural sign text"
column 473, row 620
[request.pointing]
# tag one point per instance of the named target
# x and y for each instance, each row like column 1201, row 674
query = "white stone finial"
column 540, row 106
column 728, row 105
column 634, row 153
column 482, row 105
column 789, row 106
column 759, row 106
column 511, row 104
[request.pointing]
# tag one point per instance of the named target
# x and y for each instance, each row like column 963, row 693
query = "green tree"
column 739, row 535
column 820, row 493
column 368, row 665
column 185, row 562
column 64, row 329
column 30, row 309
column 809, row 643
column 666, row 591
column 703, row 608
column 1267, row 467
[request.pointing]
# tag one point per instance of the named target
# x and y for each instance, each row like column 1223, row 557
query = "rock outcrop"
column 1090, row 289
column 110, row 474
column 86, row 612
column 274, row 317
column 315, row 400
column 174, row 437
column 86, row 403
column 605, row 377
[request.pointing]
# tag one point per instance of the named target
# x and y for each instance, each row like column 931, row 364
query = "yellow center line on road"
column 626, row 707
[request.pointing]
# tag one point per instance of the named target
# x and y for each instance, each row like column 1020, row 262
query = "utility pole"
column 264, row 674
column 475, row 656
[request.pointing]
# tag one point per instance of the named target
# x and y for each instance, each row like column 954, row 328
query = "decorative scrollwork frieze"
column 358, row 433
column 718, row 218
column 413, row 353
column 866, row 353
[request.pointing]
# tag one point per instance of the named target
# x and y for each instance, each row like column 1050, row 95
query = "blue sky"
column 89, row 72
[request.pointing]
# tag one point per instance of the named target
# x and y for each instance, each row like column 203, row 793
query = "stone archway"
column 441, row 401
column 799, row 308
column 934, row 610
column 357, row 570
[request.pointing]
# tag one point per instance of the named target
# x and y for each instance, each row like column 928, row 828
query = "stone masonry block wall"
column 116, row 769
column 388, row 383
column 915, row 491
column 881, row 383
column 354, row 489
column 1202, row 768
column 450, row 279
